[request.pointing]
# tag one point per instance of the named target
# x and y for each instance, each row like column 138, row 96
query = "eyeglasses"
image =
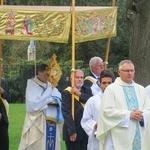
column 127, row 71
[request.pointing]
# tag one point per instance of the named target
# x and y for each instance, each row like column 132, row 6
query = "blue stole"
column 50, row 136
column 132, row 104
column 51, row 132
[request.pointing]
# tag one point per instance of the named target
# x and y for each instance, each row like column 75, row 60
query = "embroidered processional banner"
column 36, row 23
column 53, row 24
column 98, row 23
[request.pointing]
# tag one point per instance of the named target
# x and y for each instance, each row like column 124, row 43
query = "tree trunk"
column 138, row 15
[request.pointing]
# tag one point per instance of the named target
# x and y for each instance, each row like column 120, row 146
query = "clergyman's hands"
column 73, row 137
column 95, row 126
column 136, row 115
column 74, row 90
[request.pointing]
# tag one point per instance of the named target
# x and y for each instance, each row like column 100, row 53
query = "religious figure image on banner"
column 10, row 25
column 27, row 26
column 95, row 24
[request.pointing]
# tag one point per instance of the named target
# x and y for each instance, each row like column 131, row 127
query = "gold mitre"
column 54, row 71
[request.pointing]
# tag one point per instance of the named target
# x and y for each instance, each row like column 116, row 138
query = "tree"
column 138, row 15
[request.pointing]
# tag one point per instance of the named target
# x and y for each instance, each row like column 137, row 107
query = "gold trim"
column 6, row 106
column 51, row 119
column 75, row 96
column 54, row 72
column 90, row 79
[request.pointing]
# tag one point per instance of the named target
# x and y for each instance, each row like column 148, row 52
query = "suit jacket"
column 73, row 126
column 6, row 96
column 87, row 82
column 92, row 82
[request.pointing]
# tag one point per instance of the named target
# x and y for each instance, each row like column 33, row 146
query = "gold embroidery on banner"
column 54, row 26
column 37, row 25
column 95, row 24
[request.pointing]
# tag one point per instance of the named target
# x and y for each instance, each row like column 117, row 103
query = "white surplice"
column 90, row 118
column 148, row 90
column 95, row 87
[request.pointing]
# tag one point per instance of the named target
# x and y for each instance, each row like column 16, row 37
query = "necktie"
column 97, row 82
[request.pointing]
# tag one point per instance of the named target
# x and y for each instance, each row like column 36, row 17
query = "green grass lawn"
column 16, row 119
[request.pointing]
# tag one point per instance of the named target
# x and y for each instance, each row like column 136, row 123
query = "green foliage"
column 119, row 49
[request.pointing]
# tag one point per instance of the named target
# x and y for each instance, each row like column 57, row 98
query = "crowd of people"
column 96, row 112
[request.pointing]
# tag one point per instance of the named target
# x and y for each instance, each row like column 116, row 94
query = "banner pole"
column 2, row 3
column 108, row 44
column 35, row 59
column 73, row 53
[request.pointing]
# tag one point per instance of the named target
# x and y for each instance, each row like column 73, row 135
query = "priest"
column 124, row 112
column 43, row 119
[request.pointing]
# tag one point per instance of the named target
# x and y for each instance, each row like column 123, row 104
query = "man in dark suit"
column 96, row 67
column 4, row 97
column 73, row 134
